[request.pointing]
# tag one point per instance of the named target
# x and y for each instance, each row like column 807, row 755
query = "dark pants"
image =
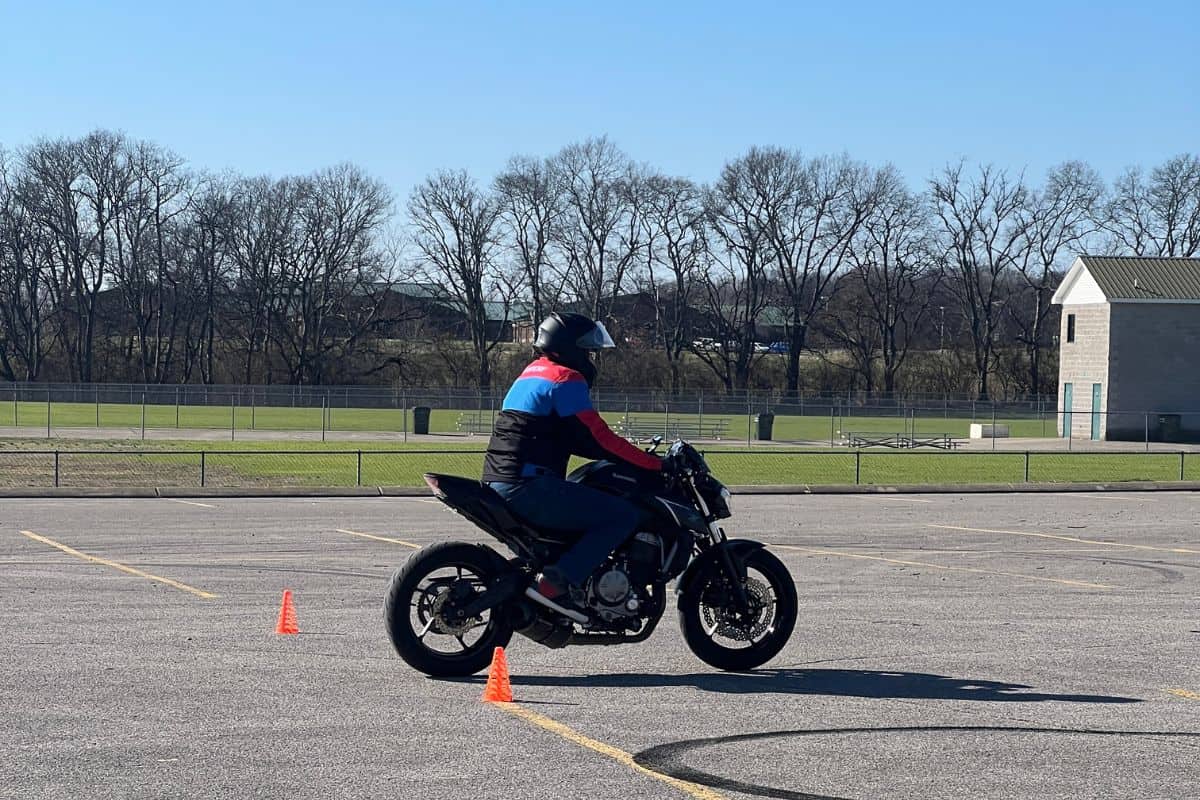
column 557, row 504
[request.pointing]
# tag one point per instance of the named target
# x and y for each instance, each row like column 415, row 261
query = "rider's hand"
column 670, row 467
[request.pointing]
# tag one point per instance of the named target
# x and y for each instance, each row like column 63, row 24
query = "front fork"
column 738, row 579
column 736, row 575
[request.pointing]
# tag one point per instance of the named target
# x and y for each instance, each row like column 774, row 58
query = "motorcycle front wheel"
column 727, row 639
column 418, row 611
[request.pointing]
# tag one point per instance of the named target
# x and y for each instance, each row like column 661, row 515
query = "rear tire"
column 693, row 611
column 398, row 612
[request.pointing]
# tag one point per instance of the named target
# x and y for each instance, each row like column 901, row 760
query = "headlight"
column 727, row 496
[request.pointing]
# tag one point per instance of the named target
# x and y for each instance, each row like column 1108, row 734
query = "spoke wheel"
column 423, row 617
column 721, row 635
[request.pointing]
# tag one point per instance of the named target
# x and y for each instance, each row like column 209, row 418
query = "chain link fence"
column 317, row 413
column 251, row 469
column 121, row 411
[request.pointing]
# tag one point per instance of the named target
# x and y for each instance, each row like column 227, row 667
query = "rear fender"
column 713, row 561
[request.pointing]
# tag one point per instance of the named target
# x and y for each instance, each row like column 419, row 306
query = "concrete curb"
column 407, row 491
column 271, row 491
column 63, row 491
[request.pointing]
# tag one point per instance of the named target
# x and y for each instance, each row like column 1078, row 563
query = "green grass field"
column 66, row 416
column 263, row 464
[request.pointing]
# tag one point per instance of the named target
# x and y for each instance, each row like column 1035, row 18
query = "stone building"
column 1129, row 349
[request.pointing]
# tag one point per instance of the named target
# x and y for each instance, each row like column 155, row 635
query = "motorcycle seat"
column 484, row 505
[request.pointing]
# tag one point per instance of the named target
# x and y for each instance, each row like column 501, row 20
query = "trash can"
column 1168, row 428
column 766, row 423
column 421, row 419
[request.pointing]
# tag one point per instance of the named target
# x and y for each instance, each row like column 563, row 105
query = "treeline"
column 119, row 262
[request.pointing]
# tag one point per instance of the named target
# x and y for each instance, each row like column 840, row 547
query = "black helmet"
column 567, row 338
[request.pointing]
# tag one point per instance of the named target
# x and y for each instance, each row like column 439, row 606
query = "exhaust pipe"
column 533, row 595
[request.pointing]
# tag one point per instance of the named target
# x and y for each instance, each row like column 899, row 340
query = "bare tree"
column 1157, row 215
column 261, row 239
column 853, row 334
column 983, row 238
column 735, row 284
column 456, row 229
column 26, row 251
column 82, row 186
column 1058, row 219
column 890, row 284
column 201, row 283
column 810, row 211
column 676, row 254
column 598, row 233
column 143, row 263
column 331, row 279
column 532, row 206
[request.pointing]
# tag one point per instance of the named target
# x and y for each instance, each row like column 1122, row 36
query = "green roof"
column 1145, row 278
column 437, row 294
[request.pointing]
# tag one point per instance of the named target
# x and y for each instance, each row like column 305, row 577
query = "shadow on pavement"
column 835, row 682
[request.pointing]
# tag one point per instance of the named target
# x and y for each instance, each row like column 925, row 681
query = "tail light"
column 432, row 483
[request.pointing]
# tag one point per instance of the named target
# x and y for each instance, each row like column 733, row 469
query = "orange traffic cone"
column 287, row 615
column 498, row 689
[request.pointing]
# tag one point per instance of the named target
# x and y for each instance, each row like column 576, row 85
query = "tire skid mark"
column 669, row 758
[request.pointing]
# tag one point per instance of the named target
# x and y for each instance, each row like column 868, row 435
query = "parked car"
column 706, row 343
column 778, row 347
column 759, row 347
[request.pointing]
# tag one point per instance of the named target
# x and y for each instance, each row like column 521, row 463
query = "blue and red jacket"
column 547, row 418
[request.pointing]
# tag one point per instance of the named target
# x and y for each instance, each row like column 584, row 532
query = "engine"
column 618, row 589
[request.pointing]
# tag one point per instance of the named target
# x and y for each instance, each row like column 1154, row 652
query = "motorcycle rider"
column 548, row 417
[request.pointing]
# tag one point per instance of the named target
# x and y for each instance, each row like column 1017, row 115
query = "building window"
column 1070, row 327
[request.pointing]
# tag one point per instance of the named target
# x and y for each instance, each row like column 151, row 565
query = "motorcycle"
column 452, row 603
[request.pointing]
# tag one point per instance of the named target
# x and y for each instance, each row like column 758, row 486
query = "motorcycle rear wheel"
column 706, row 615
column 412, row 610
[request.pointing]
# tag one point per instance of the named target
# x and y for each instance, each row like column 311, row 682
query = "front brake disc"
column 727, row 621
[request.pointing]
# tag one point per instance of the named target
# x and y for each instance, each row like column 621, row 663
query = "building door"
column 1066, row 410
column 1095, row 412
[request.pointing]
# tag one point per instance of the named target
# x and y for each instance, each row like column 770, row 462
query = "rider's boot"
column 553, row 585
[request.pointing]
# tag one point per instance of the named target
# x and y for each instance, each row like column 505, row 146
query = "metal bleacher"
column 644, row 428
column 903, row 441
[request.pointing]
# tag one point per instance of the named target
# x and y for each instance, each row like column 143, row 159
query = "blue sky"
column 403, row 89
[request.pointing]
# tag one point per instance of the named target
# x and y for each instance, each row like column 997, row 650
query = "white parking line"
column 188, row 502
column 1108, row 497
column 900, row 499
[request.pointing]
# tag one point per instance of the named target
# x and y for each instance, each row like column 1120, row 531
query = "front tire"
column 708, row 619
column 413, row 610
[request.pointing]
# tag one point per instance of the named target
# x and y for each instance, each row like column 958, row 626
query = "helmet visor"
column 596, row 339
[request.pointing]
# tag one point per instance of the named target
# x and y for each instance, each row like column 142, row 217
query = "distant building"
column 1129, row 349
column 427, row 310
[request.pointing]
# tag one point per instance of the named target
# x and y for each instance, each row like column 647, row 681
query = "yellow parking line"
column 380, row 538
column 1184, row 693
column 1063, row 581
column 1069, row 539
column 616, row 754
column 122, row 567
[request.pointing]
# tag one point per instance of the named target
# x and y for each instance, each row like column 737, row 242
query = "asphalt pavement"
column 982, row 646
